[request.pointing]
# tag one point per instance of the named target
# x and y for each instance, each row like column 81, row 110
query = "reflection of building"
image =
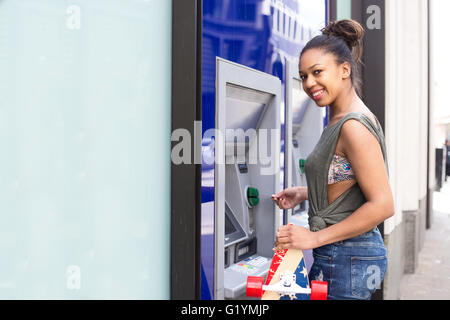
column 234, row 30
column 257, row 33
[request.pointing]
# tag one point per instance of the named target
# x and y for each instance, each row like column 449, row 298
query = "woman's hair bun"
column 350, row 31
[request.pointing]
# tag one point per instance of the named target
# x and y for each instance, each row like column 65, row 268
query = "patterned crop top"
column 340, row 170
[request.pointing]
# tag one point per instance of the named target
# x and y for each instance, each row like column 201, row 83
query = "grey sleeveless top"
column 316, row 170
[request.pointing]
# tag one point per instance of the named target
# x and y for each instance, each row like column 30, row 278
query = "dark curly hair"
column 342, row 38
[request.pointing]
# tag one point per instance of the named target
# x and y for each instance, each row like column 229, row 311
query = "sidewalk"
column 431, row 281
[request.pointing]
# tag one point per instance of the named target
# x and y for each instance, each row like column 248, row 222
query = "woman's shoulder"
column 355, row 115
column 361, row 112
column 359, row 133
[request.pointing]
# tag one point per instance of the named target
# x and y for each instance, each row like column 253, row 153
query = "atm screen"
column 233, row 230
column 300, row 103
column 247, row 107
column 229, row 228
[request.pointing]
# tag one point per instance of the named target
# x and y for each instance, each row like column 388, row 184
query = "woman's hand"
column 290, row 198
column 295, row 237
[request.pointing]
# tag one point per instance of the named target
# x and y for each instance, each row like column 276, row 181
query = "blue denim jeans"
column 353, row 268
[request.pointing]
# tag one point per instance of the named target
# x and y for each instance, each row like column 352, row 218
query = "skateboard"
column 287, row 279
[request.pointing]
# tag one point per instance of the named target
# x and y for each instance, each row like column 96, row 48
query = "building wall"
column 406, row 134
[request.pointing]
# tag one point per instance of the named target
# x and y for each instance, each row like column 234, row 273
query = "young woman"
column 347, row 172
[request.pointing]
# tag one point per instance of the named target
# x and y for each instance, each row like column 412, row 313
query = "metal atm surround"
column 232, row 79
column 304, row 126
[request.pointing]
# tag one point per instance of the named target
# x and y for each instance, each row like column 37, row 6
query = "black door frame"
column 374, row 73
column 185, row 236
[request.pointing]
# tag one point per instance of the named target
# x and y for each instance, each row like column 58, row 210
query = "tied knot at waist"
column 329, row 216
column 316, row 223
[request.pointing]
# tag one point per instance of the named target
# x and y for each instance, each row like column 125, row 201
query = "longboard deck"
column 283, row 260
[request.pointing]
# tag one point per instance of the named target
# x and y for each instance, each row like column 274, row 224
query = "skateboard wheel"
column 319, row 290
column 254, row 287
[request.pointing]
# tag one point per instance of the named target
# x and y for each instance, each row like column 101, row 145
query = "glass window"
column 85, row 132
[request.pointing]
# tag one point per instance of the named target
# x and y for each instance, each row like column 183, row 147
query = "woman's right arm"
column 291, row 197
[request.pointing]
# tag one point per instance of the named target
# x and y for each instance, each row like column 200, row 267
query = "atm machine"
column 304, row 126
column 247, row 173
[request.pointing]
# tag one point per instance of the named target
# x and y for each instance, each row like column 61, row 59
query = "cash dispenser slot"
column 245, row 250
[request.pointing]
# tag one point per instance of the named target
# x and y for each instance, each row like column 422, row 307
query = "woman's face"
column 322, row 78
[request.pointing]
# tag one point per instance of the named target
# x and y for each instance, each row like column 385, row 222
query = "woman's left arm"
column 363, row 151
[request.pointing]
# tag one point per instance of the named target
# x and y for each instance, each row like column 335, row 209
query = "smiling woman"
column 347, row 172
column 336, row 40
